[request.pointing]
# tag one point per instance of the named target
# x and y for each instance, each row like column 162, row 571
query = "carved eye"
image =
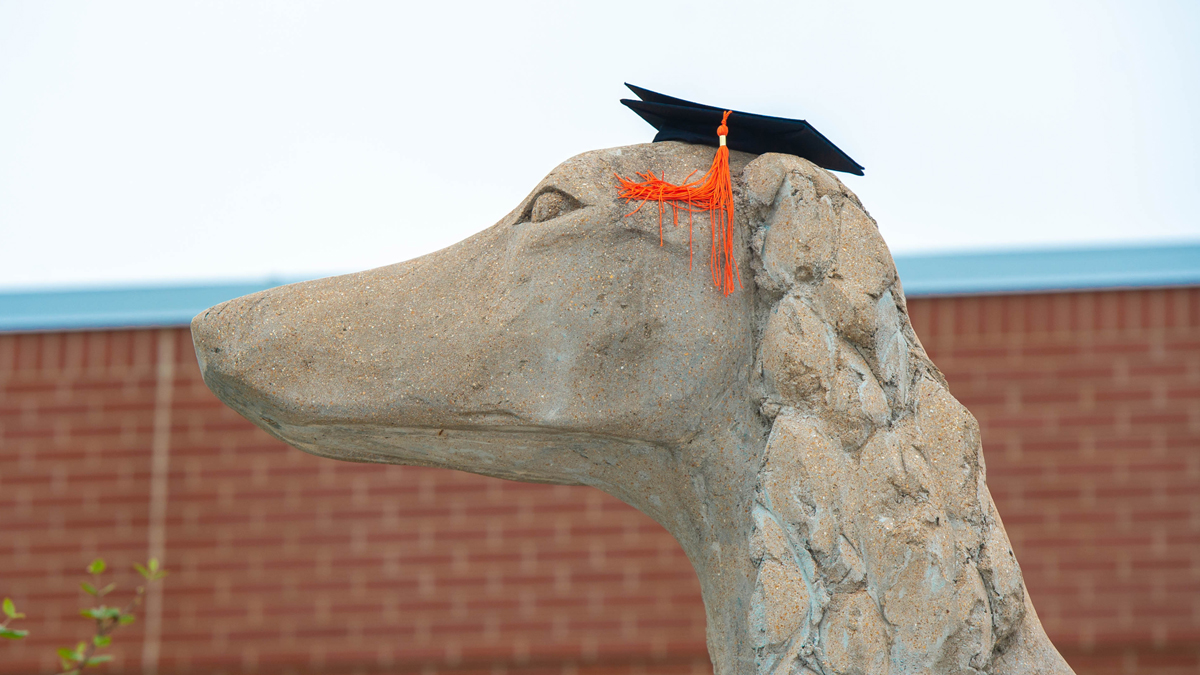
column 550, row 205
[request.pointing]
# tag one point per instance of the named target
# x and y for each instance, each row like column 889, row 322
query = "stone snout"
column 564, row 317
column 793, row 437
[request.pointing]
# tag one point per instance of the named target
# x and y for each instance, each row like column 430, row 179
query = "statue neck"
column 703, row 492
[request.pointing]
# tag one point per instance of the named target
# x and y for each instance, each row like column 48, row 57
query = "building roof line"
column 936, row 274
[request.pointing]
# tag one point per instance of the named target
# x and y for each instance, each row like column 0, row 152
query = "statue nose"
column 216, row 335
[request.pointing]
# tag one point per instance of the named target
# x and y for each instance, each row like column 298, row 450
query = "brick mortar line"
column 159, row 470
column 564, row 664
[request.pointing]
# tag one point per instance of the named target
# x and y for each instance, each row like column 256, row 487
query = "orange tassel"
column 713, row 193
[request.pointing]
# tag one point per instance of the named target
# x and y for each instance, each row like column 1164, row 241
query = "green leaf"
column 67, row 655
column 141, row 570
column 88, row 588
column 127, row 619
column 12, row 633
column 153, row 564
column 102, row 640
column 10, row 610
column 97, row 566
column 107, row 589
column 101, row 612
column 97, row 660
column 80, row 649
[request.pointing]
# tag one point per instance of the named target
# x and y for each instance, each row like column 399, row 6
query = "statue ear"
column 813, row 240
column 792, row 207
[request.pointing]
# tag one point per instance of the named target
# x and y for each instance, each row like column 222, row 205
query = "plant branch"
column 107, row 619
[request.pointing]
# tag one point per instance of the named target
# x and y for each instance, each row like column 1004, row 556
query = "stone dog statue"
column 794, row 437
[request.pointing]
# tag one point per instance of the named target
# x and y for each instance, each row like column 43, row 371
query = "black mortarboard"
column 680, row 120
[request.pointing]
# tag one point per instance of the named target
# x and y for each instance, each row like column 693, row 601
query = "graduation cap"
column 680, row 120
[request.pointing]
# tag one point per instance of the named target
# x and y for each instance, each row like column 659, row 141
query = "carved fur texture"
column 878, row 547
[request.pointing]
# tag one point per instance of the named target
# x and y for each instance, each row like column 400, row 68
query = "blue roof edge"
column 937, row 274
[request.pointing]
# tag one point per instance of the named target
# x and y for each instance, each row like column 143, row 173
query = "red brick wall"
column 282, row 562
column 1090, row 409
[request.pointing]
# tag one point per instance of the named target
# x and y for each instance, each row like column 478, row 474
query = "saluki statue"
column 794, row 436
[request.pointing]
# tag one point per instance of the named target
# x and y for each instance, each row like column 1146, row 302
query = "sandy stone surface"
column 793, row 437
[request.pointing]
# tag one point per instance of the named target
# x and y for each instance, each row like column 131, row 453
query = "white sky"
column 179, row 141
